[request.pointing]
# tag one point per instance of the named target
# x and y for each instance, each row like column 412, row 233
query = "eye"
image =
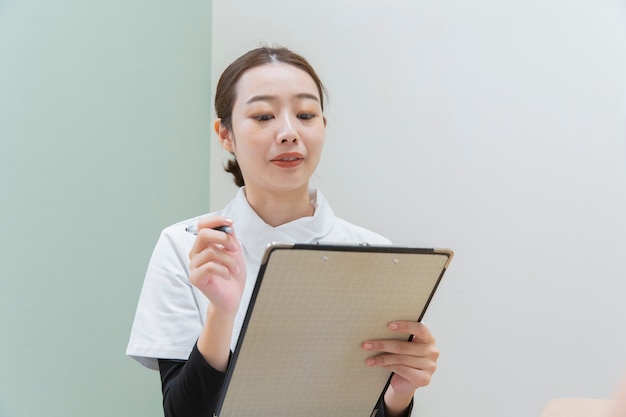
column 263, row 117
column 306, row 116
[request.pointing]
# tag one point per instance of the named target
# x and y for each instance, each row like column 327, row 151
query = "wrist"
column 214, row 341
column 220, row 315
column 396, row 404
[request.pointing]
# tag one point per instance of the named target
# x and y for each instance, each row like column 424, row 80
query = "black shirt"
column 191, row 388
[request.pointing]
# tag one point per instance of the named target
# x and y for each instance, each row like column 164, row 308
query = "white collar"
column 255, row 234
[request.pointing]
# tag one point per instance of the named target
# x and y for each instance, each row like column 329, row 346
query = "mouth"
column 290, row 157
column 287, row 160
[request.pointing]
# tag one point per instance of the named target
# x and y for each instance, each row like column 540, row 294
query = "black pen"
column 194, row 229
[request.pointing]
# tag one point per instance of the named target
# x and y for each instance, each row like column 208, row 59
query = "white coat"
column 171, row 312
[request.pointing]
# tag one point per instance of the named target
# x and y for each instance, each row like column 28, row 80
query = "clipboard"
column 299, row 351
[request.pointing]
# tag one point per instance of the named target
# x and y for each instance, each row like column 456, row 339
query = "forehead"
column 275, row 79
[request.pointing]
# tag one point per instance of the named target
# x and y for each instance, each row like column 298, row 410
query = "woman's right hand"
column 217, row 266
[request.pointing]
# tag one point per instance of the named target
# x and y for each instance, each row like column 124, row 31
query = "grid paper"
column 301, row 353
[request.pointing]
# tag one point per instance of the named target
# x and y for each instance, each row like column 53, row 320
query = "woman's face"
column 278, row 128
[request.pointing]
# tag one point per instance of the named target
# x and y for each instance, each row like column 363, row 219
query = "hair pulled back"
column 226, row 91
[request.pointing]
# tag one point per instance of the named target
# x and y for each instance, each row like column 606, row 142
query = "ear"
column 224, row 135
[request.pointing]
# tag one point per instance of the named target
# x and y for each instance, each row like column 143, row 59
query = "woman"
column 269, row 104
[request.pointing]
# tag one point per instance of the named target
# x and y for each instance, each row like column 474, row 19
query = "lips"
column 287, row 160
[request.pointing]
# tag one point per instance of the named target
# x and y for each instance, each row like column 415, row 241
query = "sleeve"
column 191, row 388
column 380, row 411
column 168, row 319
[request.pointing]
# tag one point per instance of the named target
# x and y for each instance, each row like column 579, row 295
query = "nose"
column 287, row 131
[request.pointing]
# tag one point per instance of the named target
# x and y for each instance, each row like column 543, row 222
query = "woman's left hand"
column 412, row 362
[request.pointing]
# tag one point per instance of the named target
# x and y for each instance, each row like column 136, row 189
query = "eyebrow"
column 273, row 98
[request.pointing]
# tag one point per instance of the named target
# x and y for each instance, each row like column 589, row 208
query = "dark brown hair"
column 226, row 92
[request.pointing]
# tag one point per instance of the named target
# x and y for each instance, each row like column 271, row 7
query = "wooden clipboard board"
column 299, row 351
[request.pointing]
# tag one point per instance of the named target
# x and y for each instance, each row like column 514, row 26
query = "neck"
column 281, row 207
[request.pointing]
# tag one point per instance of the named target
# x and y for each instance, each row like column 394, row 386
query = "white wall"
column 497, row 129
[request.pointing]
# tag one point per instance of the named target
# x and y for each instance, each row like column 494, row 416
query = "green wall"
column 104, row 140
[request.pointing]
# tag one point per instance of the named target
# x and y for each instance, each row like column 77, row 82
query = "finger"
column 426, row 363
column 416, row 378
column 402, row 347
column 213, row 261
column 207, row 236
column 418, row 331
column 213, row 254
column 417, row 362
column 213, row 221
column 203, row 275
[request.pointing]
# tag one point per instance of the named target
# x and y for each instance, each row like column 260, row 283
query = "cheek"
column 316, row 146
column 318, row 137
column 247, row 149
column 242, row 140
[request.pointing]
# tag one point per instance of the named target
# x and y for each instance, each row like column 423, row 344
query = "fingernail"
column 393, row 326
column 370, row 361
column 367, row 346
